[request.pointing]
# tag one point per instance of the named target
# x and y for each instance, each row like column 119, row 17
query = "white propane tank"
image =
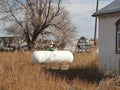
column 52, row 56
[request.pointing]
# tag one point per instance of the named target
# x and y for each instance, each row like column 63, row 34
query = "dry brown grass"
column 18, row 73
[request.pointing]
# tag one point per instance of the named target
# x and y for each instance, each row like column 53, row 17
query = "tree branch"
column 21, row 4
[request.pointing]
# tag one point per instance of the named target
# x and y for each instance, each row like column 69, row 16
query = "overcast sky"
column 80, row 15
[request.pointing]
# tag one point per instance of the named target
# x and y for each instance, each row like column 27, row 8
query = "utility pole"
column 96, row 20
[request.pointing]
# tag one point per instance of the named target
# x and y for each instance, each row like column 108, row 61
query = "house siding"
column 109, row 60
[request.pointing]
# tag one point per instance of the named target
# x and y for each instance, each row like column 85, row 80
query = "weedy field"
column 18, row 73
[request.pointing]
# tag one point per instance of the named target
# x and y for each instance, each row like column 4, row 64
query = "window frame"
column 117, row 33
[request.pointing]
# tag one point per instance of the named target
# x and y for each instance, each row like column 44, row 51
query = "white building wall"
column 108, row 59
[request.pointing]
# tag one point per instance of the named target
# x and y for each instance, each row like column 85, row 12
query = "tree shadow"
column 89, row 73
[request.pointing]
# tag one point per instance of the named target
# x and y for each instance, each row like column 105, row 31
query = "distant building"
column 83, row 45
column 11, row 43
column 109, row 37
column 6, row 41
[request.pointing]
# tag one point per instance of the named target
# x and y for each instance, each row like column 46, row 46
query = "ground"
column 18, row 73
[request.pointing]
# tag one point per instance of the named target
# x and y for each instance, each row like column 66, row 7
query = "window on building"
column 118, row 36
column 118, row 40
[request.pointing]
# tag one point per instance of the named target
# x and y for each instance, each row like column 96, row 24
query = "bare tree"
column 33, row 17
column 62, row 27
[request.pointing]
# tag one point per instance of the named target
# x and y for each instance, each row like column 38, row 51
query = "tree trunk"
column 31, row 45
